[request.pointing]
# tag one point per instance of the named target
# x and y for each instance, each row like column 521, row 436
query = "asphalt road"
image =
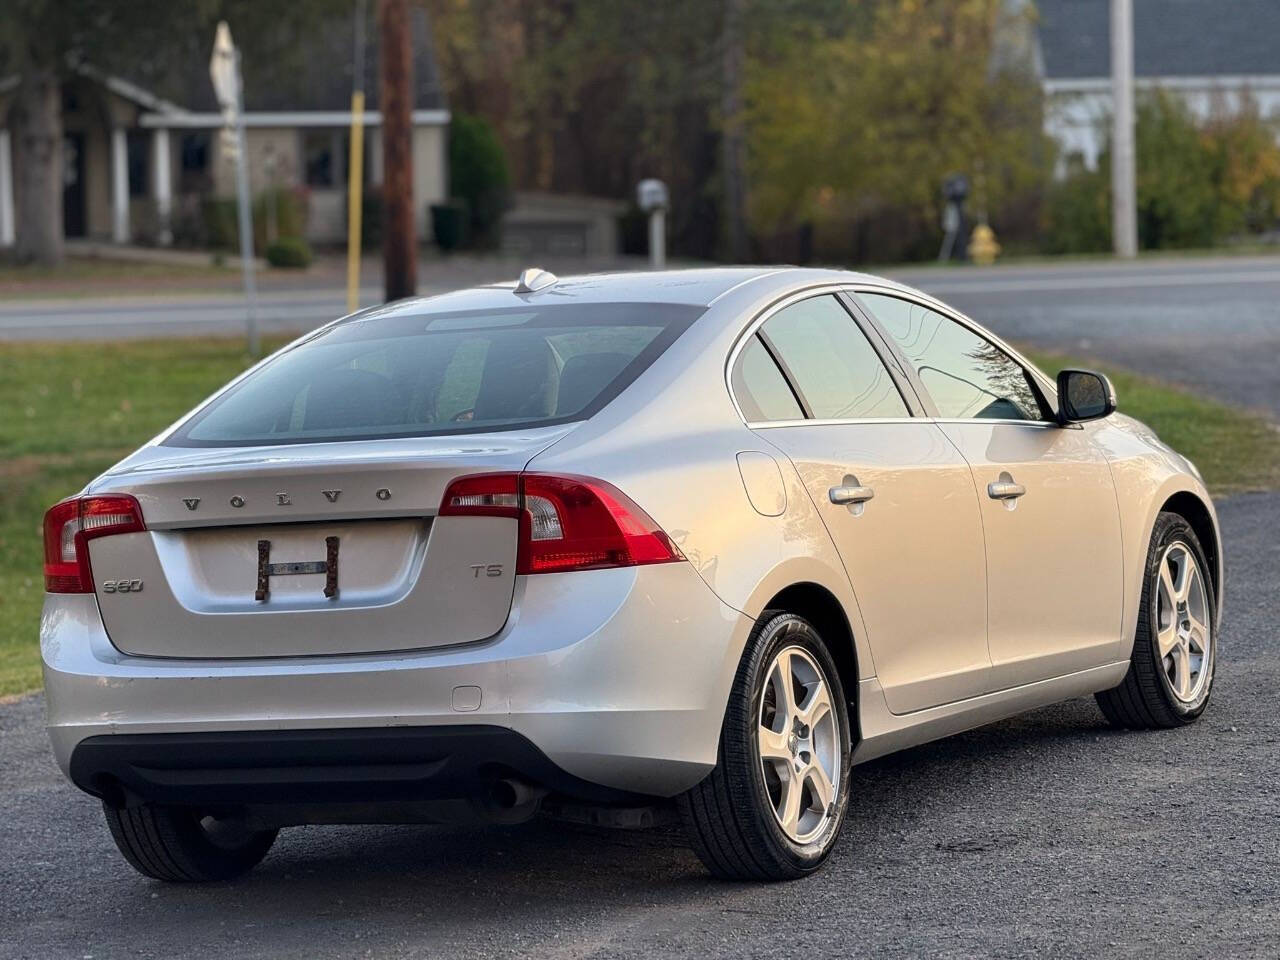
column 1211, row 323
column 1045, row 836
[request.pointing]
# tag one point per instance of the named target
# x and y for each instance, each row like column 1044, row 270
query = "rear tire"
column 1175, row 648
column 179, row 846
column 773, row 806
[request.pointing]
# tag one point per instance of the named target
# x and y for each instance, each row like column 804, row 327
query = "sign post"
column 224, row 69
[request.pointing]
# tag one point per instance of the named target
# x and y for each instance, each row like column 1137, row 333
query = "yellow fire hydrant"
column 983, row 248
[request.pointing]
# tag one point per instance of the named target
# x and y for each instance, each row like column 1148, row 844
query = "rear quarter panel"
column 671, row 443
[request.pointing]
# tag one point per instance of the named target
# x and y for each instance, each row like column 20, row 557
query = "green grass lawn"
column 71, row 410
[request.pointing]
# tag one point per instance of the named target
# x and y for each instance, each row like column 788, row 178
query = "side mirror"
column 1084, row 395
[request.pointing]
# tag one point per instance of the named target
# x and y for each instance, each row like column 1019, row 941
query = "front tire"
column 180, row 846
column 773, row 806
column 1175, row 649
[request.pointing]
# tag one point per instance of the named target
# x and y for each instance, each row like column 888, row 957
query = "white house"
column 1209, row 52
column 141, row 148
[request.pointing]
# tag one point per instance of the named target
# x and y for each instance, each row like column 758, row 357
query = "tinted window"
column 397, row 376
column 762, row 391
column 831, row 362
column 966, row 375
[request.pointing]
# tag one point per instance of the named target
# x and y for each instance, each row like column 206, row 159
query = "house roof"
column 283, row 73
column 1172, row 38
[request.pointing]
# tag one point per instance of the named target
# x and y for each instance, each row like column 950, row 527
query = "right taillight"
column 68, row 528
column 566, row 522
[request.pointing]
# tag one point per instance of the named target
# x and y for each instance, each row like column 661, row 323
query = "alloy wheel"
column 799, row 744
column 1183, row 632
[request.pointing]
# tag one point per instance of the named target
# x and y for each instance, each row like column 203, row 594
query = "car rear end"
column 338, row 591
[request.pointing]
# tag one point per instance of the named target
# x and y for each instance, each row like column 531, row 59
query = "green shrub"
column 371, row 217
column 1178, row 199
column 219, row 216
column 292, row 252
column 1078, row 212
column 449, row 224
column 478, row 175
column 280, row 208
column 222, row 223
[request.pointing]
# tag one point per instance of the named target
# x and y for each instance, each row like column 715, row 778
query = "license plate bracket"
column 328, row 566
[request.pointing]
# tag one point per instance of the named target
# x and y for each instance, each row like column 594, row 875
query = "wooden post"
column 395, row 56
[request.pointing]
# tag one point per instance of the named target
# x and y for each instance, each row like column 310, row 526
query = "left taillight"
column 68, row 528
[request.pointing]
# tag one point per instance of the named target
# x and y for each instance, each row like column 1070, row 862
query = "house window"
column 137, row 143
column 193, row 172
column 323, row 157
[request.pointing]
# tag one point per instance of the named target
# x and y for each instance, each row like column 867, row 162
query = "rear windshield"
column 442, row 373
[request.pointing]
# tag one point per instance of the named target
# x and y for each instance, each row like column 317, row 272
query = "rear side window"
column 431, row 374
column 761, row 389
column 835, row 370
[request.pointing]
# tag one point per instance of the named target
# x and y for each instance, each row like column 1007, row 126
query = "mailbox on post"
column 651, row 195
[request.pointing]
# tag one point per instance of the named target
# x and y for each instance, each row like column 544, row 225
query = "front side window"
column 431, row 374
column 833, row 367
column 967, row 376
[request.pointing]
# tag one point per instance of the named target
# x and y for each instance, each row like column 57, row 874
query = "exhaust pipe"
column 511, row 794
column 509, row 801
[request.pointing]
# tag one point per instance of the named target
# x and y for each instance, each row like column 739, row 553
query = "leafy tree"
column 1245, row 160
column 867, row 114
column 591, row 97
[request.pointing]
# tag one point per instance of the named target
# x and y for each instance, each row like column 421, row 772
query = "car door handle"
column 1005, row 490
column 844, row 495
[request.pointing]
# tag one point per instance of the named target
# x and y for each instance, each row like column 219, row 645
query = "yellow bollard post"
column 355, row 183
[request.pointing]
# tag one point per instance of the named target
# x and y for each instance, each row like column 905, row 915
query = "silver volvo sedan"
column 609, row 546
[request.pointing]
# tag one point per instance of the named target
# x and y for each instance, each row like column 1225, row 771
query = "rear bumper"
column 619, row 678
column 299, row 768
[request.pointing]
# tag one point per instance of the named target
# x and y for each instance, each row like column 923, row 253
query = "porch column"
column 162, row 185
column 119, row 186
column 7, row 235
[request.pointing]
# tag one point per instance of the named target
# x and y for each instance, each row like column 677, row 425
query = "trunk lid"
column 314, row 549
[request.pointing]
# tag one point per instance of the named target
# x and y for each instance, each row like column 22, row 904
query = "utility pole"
column 395, row 55
column 733, row 138
column 1124, row 204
